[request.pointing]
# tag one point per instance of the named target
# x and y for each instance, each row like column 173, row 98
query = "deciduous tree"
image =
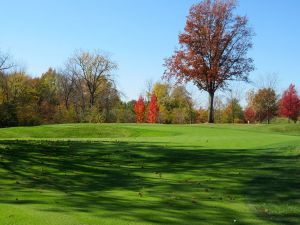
column 213, row 48
column 65, row 87
column 139, row 109
column 162, row 93
column 202, row 116
column 48, row 99
column 265, row 104
column 290, row 104
column 152, row 110
column 90, row 68
column 5, row 62
column 233, row 112
column 249, row 115
column 181, row 105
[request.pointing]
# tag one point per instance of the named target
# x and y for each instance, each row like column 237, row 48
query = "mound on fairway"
column 89, row 174
column 78, row 131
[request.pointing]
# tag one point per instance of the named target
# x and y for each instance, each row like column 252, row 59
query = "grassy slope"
column 150, row 174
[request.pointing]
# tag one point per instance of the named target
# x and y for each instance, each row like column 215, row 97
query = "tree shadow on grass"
column 152, row 183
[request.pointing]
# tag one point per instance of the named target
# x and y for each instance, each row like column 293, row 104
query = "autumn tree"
column 125, row 112
column 213, row 49
column 48, row 95
column 181, row 105
column 90, row 68
column 265, row 104
column 83, row 91
column 4, row 89
column 162, row 93
column 152, row 110
column 290, row 104
column 175, row 103
column 65, row 87
column 249, row 115
column 233, row 112
column 23, row 95
column 202, row 115
column 107, row 97
column 139, row 109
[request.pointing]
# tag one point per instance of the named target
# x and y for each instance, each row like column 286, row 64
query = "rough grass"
column 85, row 174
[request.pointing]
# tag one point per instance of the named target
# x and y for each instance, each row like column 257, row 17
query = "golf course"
column 110, row 174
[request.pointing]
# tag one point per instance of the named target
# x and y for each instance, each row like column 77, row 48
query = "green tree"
column 162, row 93
column 182, row 105
column 233, row 112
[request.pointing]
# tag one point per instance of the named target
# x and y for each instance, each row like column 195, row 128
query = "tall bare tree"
column 213, row 48
column 5, row 62
column 90, row 68
column 66, row 87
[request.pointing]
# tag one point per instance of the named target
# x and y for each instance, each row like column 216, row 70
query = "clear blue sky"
column 139, row 34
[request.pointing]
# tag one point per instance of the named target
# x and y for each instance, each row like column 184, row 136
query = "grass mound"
column 290, row 129
column 82, row 131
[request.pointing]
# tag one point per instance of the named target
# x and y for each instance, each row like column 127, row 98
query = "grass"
column 89, row 174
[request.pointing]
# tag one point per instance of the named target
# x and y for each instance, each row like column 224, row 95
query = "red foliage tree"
column 249, row 115
column 139, row 109
column 290, row 104
column 213, row 49
column 153, row 110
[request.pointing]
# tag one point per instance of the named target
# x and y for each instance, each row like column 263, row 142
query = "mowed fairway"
column 115, row 174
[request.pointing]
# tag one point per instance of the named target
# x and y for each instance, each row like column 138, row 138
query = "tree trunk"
column 211, row 118
column 67, row 103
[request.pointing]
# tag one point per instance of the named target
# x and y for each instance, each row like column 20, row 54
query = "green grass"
column 89, row 174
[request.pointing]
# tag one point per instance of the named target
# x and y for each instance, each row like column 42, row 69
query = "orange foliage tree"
column 249, row 115
column 153, row 110
column 213, row 49
column 139, row 109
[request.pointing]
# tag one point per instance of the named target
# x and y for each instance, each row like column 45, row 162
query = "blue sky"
column 139, row 34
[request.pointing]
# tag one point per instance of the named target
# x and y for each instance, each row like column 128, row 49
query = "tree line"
column 174, row 104
column 83, row 91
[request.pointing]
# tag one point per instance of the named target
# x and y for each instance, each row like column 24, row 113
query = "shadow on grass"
column 153, row 183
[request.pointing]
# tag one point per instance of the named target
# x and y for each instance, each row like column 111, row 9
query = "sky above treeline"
column 139, row 34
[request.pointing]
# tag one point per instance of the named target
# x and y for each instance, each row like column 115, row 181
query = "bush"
column 94, row 116
column 64, row 115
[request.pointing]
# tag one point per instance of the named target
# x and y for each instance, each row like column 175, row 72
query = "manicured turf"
column 89, row 174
